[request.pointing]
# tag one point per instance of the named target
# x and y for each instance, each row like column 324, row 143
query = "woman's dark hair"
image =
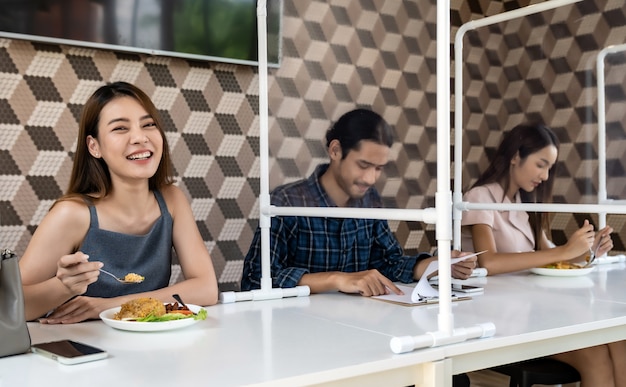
column 523, row 140
column 90, row 176
column 358, row 125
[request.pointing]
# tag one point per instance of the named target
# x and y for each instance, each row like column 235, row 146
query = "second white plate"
column 561, row 272
column 107, row 318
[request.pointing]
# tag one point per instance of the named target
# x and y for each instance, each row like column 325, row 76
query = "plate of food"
column 151, row 315
column 562, row 269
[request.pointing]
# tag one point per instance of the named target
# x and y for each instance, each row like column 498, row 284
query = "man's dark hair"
column 358, row 125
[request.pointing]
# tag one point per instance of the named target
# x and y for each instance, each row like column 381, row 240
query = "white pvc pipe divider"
column 443, row 201
column 266, row 291
column 446, row 334
column 602, row 193
column 543, row 207
column 457, row 196
column 427, row 215
column 267, row 210
column 443, row 196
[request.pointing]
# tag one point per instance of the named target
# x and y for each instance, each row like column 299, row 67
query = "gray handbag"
column 14, row 335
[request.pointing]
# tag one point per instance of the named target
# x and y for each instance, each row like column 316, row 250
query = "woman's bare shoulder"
column 64, row 226
column 174, row 197
column 70, row 211
column 173, row 194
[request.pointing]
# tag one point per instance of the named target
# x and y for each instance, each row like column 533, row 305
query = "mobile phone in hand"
column 69, row 352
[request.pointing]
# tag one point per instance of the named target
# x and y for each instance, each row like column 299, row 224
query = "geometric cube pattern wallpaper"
column 542, row 68
column 336, row 55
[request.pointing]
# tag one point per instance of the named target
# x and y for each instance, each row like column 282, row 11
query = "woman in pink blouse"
column 521, row 172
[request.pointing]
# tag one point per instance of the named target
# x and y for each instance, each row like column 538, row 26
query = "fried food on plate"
column 140, row 308
column 563, row 265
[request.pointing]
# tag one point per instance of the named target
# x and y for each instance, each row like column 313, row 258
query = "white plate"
column 107, row 318
column 561, row 272
column 542, row 281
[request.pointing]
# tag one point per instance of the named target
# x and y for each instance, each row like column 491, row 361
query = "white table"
column 341, row 339
column 239, row 344
column 552, row 315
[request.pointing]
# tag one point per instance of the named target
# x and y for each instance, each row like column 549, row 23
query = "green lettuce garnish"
column 201, row 315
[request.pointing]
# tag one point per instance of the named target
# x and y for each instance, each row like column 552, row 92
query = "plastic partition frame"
column 266, row 291
column 441, row 215
column 602, row 193
column 446, row 333
column 457, row 197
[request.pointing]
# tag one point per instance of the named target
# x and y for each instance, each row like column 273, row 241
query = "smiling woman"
column 121, row 211
column 129, row 132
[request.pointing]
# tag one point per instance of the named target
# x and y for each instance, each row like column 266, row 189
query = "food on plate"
column 175, row 307
column 176, row 311
column 148, row 309
column 140, row 308
column 563, row 265
column 133, row 277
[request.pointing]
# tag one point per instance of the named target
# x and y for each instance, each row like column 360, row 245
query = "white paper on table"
column 400, row 298
column 423, row 289
column 405, row 298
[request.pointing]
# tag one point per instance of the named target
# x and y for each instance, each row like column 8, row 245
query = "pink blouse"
column 511, row 229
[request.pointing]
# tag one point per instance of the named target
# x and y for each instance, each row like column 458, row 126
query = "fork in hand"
column 592, row 256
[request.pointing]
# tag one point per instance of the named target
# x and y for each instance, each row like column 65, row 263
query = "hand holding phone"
column 69, row 352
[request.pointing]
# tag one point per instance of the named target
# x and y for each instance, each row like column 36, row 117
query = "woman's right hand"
column 603, row 242
column 76, row 272
column 581, row 241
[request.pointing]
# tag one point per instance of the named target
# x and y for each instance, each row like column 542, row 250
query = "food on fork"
column 140, row 308
column 133, row 277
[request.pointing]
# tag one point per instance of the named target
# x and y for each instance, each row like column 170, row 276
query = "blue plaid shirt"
column 301, row 245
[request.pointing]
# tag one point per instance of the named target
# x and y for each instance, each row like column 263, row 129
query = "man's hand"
column 367, row 283
column 464, row 268
column 459, row 270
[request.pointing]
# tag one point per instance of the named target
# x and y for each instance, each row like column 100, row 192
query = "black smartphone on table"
column 466, row 288
column 69, row 352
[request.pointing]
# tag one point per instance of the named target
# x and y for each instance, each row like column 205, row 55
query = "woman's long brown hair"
column 524, row 140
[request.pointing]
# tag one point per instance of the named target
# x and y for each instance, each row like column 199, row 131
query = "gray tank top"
column 149, row 255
